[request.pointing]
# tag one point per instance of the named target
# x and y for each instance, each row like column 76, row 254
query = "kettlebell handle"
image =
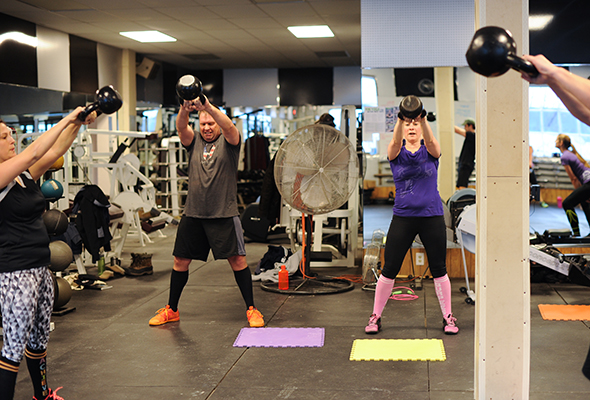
column 522, row 65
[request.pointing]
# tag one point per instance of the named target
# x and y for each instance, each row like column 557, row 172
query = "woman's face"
column 558, row 143
column 7, row 141
column 412, row 131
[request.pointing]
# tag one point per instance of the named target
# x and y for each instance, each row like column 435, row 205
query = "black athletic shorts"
column 195, row 237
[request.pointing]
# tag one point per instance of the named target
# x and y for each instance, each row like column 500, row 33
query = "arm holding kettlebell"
column 573, row 90
column 228, row 129
column 395, row 146
column 61, row 145
column 430, row 141
column 185, row 131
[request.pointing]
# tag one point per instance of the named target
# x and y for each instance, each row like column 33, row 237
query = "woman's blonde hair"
column 567, row 143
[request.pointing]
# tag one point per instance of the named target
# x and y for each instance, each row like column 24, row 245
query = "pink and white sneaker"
column 374, row 325
column 450, row 325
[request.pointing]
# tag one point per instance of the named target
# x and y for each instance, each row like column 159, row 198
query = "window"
column 369, row 91
column 549, row 117
column 369, row 99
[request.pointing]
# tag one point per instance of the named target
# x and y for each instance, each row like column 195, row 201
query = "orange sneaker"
column 255, row 318
column 165, row 315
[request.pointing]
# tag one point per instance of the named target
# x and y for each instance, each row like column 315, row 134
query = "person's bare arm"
column 62, row 144
column 185, row 131
column 36, row 150
column 395, row 145
column 228, row 129
column 573, row 90
column 430, row 141
column 573, row 178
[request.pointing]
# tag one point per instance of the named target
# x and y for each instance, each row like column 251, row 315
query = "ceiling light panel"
column 311, row 31
column 148, row 36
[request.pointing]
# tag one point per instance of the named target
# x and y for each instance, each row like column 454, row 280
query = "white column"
column 502, row 316
column 444, row 90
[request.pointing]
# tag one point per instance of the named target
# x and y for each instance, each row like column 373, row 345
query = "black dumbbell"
column 108, row 101
column 411, row 108
column 492, row 52
column 190, row 88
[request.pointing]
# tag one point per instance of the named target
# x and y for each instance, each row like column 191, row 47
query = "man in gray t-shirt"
column 211, row 220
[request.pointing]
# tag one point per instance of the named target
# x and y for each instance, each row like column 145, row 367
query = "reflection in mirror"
column 381, row 95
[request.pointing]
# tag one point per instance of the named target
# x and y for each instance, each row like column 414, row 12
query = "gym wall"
column 19, row 61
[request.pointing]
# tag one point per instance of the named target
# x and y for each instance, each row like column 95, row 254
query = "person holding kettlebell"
column 574, row 92
column 26, row 285
column 413, row 155
column 211, row 219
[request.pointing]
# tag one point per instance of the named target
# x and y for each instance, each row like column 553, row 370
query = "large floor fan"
column 316, row 172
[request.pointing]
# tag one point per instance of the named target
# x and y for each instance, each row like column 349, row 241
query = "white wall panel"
column 109, row 65
column 53, row 59
column 347, row 85
column 419, row 33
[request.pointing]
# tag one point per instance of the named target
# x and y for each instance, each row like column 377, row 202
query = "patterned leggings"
column 26, row 303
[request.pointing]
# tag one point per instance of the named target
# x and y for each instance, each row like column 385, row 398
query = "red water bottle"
column 283, row 278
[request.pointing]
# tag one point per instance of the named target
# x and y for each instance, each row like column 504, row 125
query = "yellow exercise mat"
column 565, row 312
column 398, row 350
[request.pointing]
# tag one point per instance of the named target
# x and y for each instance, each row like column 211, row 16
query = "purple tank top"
column 416, row 188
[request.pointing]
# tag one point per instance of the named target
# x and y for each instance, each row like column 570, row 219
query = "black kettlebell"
column 492, row 52
column 108, row 101
column 411, row 108
column 190, row 88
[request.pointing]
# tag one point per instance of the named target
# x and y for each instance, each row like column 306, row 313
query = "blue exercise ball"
column 52, row 189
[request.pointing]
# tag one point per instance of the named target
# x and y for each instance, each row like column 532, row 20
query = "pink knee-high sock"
column 442, row 286
column 382, row 293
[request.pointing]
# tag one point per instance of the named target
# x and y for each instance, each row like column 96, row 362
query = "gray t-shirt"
column 213, row 176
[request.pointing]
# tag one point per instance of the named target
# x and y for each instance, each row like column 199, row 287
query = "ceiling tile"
column 196, row 13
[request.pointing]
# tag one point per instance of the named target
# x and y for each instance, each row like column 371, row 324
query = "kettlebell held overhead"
column 108, row 101
column 189, row 88
column 411, row 108
column 492, row 52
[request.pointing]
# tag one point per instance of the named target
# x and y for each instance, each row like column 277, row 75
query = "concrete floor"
column 105, row 348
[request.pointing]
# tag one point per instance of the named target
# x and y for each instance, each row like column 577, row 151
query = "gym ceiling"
column 219, row 34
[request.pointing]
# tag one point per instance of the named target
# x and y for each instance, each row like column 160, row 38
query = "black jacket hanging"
column 91, row 208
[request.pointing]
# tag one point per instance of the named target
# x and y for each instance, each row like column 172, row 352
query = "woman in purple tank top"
column 413, row 155
column 578, row 171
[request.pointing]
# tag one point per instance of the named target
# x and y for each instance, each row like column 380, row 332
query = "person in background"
column 326, row 119
column 467, row 155
column 574, row 92
column 211, row 220
column 26, row 284
column 578, row 171
column 413, row 155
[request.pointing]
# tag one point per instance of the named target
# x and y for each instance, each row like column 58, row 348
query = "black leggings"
column 578, row 196
column 401, row 234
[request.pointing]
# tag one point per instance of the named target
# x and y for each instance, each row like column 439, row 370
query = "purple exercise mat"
column 280, row 337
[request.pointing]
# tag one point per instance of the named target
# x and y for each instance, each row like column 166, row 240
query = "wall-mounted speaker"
column 147, row 68
column 416, row 81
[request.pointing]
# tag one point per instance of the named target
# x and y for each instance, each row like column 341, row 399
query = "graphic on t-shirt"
column 208, row 154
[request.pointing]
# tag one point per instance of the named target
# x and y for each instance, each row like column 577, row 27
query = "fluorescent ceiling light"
column 312, row 31
column 148, row 36
column 538, row 22
column 19, row 37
